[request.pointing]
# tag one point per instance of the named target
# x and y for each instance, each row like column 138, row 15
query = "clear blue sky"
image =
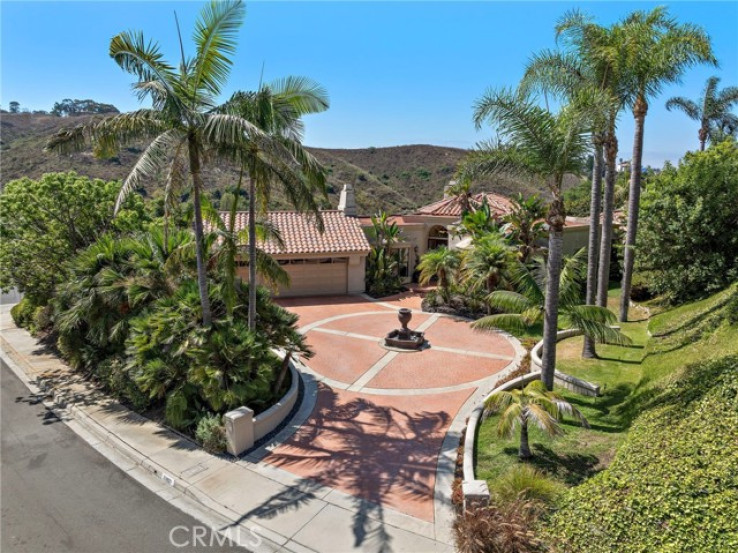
column 397, row 73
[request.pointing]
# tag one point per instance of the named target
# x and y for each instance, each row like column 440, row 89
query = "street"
column 60, row 495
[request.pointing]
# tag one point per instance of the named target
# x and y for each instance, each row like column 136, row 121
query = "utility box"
column 239, row 425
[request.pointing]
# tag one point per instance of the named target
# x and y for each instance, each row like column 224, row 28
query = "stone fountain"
column 404, row 338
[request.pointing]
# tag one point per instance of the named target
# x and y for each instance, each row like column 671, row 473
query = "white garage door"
column 312, row 277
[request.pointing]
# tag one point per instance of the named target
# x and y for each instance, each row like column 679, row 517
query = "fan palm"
column 275, row 156
column 542, row 146
column 525, row 307
column 533, row 404
column 713, row 110
column 659, row 50
column 441, row 263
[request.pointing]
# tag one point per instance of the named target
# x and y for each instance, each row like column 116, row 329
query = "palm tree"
column 275, row 156
column 524, row 225
column 586, row 73
column 536, row 404
column 182, row 122
column 659, row 50
column 713, row 110
column 441, row 263
column 486, row 263
column 601, row 57
column 545, row 147
column 525, row 307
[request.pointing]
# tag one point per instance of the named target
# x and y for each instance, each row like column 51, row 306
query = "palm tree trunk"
column 524, row 451
column 603, row 276
column 202, row 282
column 634, row 199
column 595, row 207
column 703, row 137
column 551, row 304
column 252, row 251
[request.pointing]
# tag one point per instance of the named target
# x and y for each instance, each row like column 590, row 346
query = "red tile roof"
column 300, row 235
column 451, row 207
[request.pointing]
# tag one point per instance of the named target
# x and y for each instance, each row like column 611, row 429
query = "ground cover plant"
column 649, row 460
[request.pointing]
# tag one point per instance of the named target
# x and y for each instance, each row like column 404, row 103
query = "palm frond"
column 215, row 35
column 509, row 322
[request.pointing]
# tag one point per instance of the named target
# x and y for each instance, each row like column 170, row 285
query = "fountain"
column 404, row 338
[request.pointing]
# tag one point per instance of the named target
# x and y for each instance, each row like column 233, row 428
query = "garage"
column 320, row 263
column 315, row 277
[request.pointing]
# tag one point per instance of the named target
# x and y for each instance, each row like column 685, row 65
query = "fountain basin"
column 404, row 338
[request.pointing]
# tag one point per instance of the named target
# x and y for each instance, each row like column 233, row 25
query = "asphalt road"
column 60, row 495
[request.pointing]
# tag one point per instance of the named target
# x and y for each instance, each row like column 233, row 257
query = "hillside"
column 396, row 179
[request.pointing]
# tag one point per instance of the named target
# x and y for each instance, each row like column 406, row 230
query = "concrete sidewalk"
column 242, row 496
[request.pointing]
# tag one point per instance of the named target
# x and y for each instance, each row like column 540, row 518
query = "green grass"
column 629, row 376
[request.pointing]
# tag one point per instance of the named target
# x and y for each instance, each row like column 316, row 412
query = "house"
column 328, row 263
column 432, row 226
column 334, row 262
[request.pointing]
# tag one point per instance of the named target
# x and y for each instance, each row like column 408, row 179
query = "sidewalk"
column 289, row 513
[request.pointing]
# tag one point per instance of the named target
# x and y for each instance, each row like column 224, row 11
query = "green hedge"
column 673, row 486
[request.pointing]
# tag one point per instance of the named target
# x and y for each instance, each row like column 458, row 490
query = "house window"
column 437, row 237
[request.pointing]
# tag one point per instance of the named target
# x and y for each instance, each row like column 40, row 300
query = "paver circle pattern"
column 381, row 417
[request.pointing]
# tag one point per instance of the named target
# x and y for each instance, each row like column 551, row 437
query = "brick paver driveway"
column 381, row 417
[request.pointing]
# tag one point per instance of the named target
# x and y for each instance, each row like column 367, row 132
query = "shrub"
column 112, row 373
column 211, row 433
column 498, row 529
column 524, row 482
column 687, row 241
column 23, row 312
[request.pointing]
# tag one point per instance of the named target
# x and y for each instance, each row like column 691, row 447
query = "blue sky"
column 397, row 72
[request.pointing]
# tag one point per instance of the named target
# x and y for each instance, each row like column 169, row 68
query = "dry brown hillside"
column 396, row 179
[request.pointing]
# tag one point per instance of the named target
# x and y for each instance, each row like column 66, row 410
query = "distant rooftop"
column 451, row 207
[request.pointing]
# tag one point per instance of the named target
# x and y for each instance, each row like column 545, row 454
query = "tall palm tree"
column 276, row 156
column 659, row 51
column 712, row 111
column 524, row 307
column 441, row 263
column 586, row 72
column 532, row 404
column 181, row 123
column 545, row 147
column 601, row 54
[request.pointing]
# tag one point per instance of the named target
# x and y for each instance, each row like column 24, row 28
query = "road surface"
column 60, row 495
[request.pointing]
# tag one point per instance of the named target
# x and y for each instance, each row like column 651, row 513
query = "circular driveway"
column 386, row 424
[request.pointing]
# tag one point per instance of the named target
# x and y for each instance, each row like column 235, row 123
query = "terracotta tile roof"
column 451, row 207
column 342, row 234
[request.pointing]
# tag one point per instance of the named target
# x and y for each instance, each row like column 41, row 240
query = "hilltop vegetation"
column 397, row 179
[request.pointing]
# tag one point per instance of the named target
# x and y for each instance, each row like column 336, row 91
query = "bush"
column 211, row 433
column 524, row 482
column 112, row 373
column 505, row 529
column 688, row 243
column 23, row 312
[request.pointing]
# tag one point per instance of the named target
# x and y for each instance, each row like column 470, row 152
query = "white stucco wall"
column 356, row 274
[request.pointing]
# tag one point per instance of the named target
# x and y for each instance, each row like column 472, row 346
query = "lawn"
column 628, row 376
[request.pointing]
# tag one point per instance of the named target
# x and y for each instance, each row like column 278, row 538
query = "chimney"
column 347, row 201
column 448, row 187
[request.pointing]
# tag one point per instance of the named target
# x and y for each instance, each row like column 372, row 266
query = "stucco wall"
column 356, row 274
